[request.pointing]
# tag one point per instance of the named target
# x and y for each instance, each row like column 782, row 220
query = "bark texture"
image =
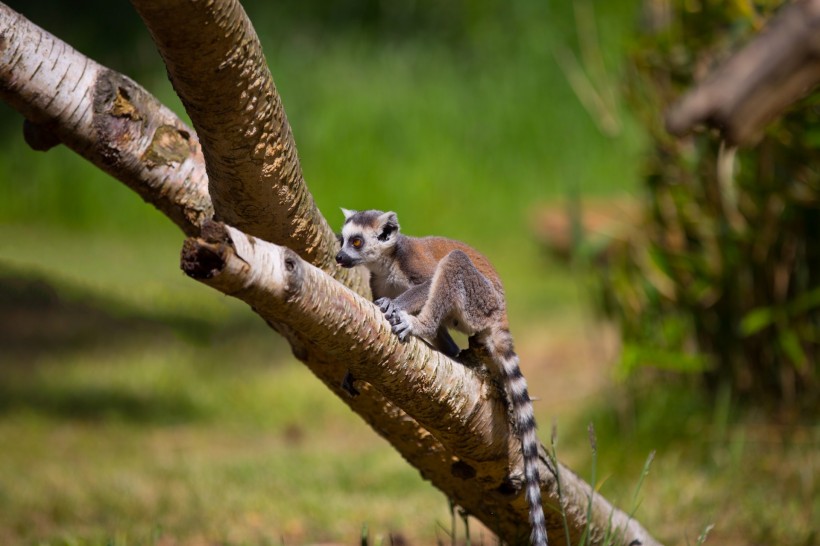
column 443, row 416
column 753, row 87
column 103, row 116
column 255, row 179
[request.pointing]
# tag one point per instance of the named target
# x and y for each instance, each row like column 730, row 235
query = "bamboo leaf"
column 756, row 320
column 790, row 344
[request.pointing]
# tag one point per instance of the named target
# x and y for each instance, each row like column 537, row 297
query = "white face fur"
column 366, row 237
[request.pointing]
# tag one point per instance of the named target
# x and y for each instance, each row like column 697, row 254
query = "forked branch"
column 255, row 179
column 443, row 417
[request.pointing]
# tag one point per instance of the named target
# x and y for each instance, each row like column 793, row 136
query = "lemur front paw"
column 387, row 307
column 402, row 324
column 399, row 320
column 384, row 304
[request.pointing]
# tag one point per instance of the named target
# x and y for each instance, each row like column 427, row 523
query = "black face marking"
column 344, row 260
column 340, row 238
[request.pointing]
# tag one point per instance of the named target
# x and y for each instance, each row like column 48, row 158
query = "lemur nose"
column 339, row 258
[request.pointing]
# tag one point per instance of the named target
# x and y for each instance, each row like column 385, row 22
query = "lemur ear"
column 348, row 213
column 389, row 225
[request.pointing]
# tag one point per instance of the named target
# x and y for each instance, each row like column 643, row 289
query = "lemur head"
column 366, row 236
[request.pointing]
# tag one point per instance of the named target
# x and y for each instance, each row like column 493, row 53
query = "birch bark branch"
column 459, row 422
column 443, row 417
column 103, row 116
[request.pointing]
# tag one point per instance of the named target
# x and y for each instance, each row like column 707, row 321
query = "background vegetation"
column 722, row 278
column 138, row 407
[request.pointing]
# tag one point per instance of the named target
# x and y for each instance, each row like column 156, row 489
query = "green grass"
column 142, row 423
column 141, row 271
column 752, row 478
column 220, row 438
column 136, row 404
column 212, row 479
column 134, row 401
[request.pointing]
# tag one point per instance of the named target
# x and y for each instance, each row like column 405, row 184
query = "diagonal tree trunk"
column 443, row 416
column 461, row 441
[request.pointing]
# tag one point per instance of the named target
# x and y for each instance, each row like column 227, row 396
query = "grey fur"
column 425, row 286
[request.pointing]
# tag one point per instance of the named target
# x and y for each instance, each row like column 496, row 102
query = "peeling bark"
column 754, row 86
column 103, row 116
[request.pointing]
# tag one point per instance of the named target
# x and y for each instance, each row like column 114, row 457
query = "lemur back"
column 426, row 286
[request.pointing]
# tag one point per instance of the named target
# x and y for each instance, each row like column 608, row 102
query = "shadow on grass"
column 60, row 348
column 39, row 317
column 97, row 403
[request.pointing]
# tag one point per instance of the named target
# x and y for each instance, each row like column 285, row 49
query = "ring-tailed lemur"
column 425, row 286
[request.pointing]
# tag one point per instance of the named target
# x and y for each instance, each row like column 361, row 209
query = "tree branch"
column 781, row 65
column 255, row 179
column 104, row 117
column 121, row 128
column 328, row 325
column 444, row 417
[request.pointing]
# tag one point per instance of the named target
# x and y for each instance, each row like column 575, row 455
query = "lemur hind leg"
column 459, row 297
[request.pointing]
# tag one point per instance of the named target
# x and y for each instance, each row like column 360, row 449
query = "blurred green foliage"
column 455, row 115
column 722, row 278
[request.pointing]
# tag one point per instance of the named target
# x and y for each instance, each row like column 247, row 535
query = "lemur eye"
column 356, row 242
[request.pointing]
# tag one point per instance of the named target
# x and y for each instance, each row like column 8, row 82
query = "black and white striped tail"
column 503, row 353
